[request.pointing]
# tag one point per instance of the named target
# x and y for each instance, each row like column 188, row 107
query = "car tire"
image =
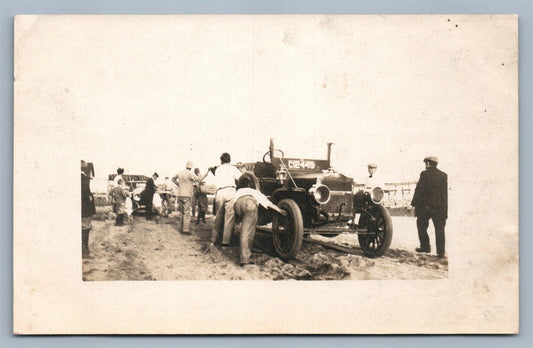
column 377, row 244
column 288, row 231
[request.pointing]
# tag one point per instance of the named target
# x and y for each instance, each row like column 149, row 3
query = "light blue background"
column 10, row 8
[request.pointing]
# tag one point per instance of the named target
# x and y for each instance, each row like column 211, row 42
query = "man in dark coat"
column 147, row 196
column 88, row 209
column 431, row 202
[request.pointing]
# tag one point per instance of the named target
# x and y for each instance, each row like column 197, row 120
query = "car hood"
column 334, row 181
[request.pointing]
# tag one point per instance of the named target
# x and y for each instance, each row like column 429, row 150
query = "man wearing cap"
column 370, row 182
column 431, row 202
column 186, row 180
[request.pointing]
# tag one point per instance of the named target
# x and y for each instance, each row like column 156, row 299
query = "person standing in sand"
column 147, row 196
column 120, row 172
column 194, row 198
column 119, row 195
column 226, row 176
column 202, row 201
column 431, row 202
column 185, row 181
column 88, row 209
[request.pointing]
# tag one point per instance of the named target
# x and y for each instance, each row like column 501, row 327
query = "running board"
column 323, row 231
column 335, row 247
column 324, row 244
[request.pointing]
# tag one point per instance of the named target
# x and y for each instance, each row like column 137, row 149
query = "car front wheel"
column 376, row 240
column 288, row 231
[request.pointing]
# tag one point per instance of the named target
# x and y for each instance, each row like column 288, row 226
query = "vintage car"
column 166, row 199
column 317, row 200
column 136, row 185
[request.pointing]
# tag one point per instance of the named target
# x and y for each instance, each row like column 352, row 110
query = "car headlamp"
column 320, row 193
column 376, row 195
column 137, row 194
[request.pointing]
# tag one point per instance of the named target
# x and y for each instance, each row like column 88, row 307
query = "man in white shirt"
column 245, row 205
column 373, row 180
column 225, row 178
column 370, row 182
column 117, row 178
column 120, row 172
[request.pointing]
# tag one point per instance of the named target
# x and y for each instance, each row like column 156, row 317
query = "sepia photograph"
column 317, row 166
column 278, row 218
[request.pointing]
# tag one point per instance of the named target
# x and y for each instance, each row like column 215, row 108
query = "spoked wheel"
column 288, row 231
column 379, row 236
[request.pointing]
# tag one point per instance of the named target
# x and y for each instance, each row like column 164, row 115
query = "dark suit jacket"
column 87, row 200
column 149, row 190
column 431, row 193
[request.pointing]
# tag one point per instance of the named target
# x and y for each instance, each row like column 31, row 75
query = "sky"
column 149, row 93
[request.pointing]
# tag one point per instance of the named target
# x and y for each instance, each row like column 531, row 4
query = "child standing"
column 120, row 196
column 201, row 195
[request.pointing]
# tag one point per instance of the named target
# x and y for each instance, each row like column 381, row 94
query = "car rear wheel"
column 376, row 241
column 288, row 231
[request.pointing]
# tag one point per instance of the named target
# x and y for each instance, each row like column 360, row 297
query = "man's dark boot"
column 423, row 250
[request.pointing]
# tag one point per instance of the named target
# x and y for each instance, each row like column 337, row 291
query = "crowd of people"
column 236, row 198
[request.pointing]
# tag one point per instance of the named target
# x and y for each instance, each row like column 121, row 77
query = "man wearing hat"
column 147, row 196
column 431, row 202
column 186, row 180
column 370, row 182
